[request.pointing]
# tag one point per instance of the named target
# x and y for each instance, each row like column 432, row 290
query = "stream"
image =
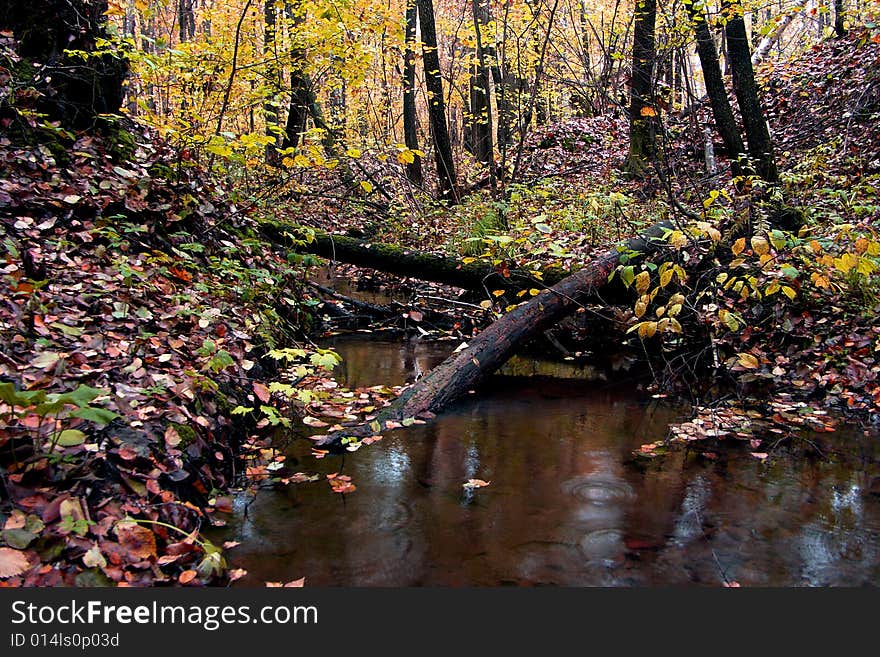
column 566, row 505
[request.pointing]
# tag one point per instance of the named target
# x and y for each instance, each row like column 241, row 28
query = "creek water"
column 566, row 505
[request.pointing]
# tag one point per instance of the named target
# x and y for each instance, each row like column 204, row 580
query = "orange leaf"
column 648, row 111
column 187, row 576
column 262, row 392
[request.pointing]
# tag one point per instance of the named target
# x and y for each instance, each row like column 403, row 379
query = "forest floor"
column 150, row 339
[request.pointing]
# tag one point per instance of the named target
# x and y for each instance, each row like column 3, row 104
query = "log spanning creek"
column 566, row 504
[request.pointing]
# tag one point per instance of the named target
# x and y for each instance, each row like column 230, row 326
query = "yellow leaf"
column 866, row 267
column 819, row 280
column 665, row 277
column 497, row 293
column 677, row 239
column 789, row 292
column 486, row 304
column 534, row 291
column 640, row 308
column 748, row 361
column 353, row 153
column 406, row 157
column 760, row 245
column 647, row 329
column 738, row 246
column 643, row 280
column 366, row 186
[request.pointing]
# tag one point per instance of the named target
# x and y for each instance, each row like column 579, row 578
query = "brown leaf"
column 172, row 438
column 262, row 392
column 12, row 562
column 139, row 541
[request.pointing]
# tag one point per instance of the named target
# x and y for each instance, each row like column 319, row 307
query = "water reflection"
column 565, row 506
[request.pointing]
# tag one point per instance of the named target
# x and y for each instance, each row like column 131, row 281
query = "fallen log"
column 475, row 276
column 465, row 370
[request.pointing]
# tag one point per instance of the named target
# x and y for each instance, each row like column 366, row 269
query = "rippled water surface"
column 565, row 505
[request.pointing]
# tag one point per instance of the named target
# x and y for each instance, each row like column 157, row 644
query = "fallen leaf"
column 93, row 558
column 262, row 392
column 138, row 540
column 187, row 576
column 475, row 483
column 12, row 562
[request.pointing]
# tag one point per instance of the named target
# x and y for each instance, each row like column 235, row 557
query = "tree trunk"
column 839, row 12
column 303, row 102
column 270, row 52
column 410, row 119
column 72, row 93
column 757, row 133
column 717, row 92
column 436, row 104
column 475, row 276
column 186, row 18
column 642, row 113
column 481, row 102
column 465, row 370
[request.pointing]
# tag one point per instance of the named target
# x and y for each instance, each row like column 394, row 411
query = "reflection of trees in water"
column 789, row 522
column 563, row 506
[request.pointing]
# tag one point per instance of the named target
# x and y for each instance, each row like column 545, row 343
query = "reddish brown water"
column 565, row 505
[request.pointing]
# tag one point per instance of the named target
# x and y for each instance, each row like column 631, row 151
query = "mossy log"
column 475, row 276
column 465, row 370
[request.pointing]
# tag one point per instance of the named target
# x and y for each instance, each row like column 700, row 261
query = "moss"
column 161, row 170
column 224, row 406
column 120, row 141
column 187, row 434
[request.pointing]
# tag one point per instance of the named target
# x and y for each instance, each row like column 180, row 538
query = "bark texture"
column 757, row 133
column 717, row 92
column 436, row 104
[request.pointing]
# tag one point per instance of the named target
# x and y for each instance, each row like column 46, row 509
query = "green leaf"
column 45, row 360
column 83, row 395
column 100, row 416
column 328, row 360
column 19, row 539
column 50, row 407
column 71, row 437
column 9, row 395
